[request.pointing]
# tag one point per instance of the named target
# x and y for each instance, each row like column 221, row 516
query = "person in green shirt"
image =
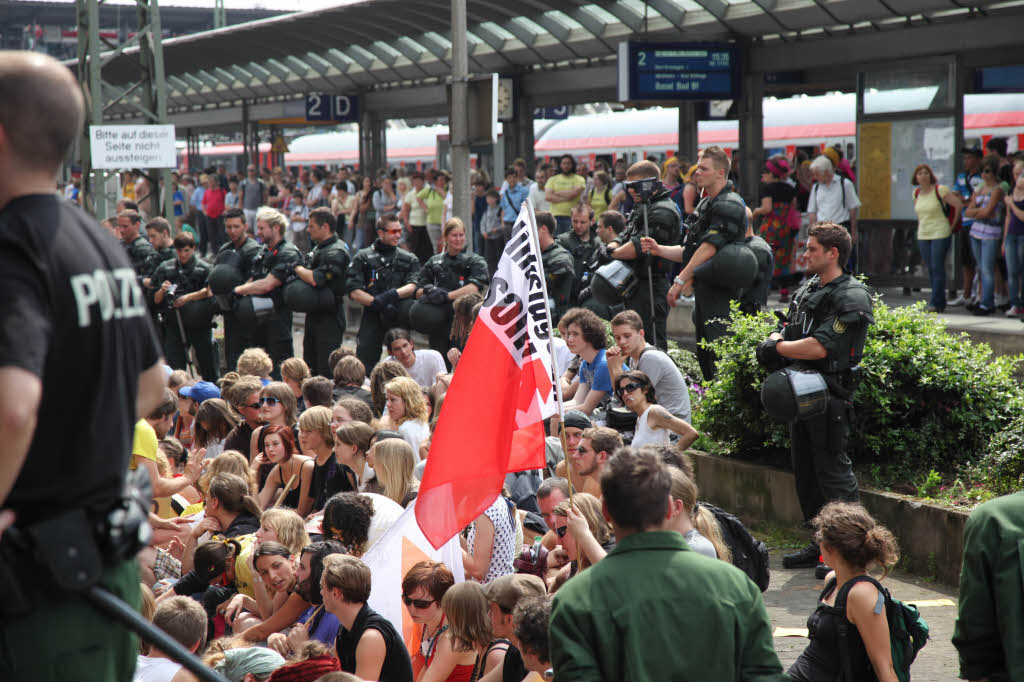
column 432, row 198
column 564, row 191
column 654, row 609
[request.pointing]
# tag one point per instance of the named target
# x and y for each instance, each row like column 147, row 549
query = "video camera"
column 644, row 187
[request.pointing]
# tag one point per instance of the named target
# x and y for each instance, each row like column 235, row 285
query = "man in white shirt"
column 423, row 365
column 185, row 621
column 669, row 385
column 537, row 196
column 833, row 198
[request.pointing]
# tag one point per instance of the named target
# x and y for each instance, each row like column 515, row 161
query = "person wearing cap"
column 503, row 595
column 780, row 221
column 576, row 422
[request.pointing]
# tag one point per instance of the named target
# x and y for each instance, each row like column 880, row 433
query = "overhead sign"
column 556, row 113
column 142, row 146
column 332, row 108
column 674, row 71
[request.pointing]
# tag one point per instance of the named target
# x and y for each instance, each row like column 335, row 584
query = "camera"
column 644, row 187
column 171, row 294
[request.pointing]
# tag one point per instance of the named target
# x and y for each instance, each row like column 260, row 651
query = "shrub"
column 927, row 399
column 1002, row 467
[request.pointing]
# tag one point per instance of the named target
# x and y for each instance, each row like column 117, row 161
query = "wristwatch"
column 679, row 282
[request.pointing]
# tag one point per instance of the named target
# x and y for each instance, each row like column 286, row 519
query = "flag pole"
column 555, row 379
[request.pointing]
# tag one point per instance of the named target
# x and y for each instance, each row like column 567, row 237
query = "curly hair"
column 347, row 519
column 411, row 394
column 591, row 326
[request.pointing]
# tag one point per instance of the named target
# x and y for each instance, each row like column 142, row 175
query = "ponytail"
column 211, row 557
column 232, row 492
column 707, row 525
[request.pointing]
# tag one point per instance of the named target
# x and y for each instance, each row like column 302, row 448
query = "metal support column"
column 459, row 115
column 372, row 143
column 687, row 147
column 246, row 142
column 219, row 15
column 751, row 151
column 192, row 147
column 93, row 182
column 524, row 131
column 151, row 58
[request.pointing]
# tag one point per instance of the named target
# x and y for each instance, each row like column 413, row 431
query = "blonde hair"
column 254, row 362
column 147, row 610
column 272, row 217
column 177, row 379
column 453, row 223
column 318, row 419
column 467, row 609
column 685, row 490
column 394, row 462
column 228, row 462
column 295, row 369
column 289, row 528
column 411, row 394
column 590, row 507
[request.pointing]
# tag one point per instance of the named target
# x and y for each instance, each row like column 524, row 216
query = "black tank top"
column 820, row 660
column 397, row 666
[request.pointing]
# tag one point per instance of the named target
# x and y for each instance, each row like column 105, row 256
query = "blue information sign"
column 557, row 113
column 674, row 71
column 336, row 108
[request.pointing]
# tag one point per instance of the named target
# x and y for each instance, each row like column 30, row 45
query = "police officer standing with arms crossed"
column 186, row 322
column 582, row 244
column 325, row 274
column 720, row 220
column 823, row 333
column 272, row 267
column 664, row 226
column 73, row 381
column 444, row 277
column 382, row 279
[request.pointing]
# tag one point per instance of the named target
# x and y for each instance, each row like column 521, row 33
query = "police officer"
column 158, row 232
column 559, row 270
column 582, row 244
column 755, row 297
column 825, row 331
column 382, row 279
column 186, row 322
column 325, row 274
column 264, row 312
column 719, row 220
column 82, row 338
column 140, row 251
column 664, row 226
column 443, row 278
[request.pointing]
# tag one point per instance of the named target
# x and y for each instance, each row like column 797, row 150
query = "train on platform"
column 797, row 123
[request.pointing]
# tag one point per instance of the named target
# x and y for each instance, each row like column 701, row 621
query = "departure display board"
column 674, row 71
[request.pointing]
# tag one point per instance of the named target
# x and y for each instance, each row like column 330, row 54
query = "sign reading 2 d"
column 332, row 108
column 673, row 71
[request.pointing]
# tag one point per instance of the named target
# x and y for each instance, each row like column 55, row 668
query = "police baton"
column 113, row 606
column 650, row 281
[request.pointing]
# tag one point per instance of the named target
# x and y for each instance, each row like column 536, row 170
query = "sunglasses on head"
column 268, row 400
column 418, row 603
column 560, row 532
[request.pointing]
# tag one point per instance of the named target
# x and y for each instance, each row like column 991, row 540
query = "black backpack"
column 749, row 554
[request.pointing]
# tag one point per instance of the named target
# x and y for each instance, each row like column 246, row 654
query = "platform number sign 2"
column 337, row 108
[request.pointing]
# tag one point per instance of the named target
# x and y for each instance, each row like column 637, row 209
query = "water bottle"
column 535, row 552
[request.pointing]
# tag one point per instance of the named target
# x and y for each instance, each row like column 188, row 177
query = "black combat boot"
column 808, row 557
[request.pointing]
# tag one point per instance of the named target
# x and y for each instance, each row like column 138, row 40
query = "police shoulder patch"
column 838, row 327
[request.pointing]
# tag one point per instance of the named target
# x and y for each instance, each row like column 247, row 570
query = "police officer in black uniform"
column 382, row 279
column 443, row 278
column 719, row 220
column 582, row 244
column 186, row 322
column 824, row 332
column 319, row 291
column 79, row 364
column 664, row 227
column 140, row 251
column 559, row 270
column 262, row 310
column 158, row 232
column 755, row 297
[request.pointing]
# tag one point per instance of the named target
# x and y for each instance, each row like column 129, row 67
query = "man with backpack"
column 833, row 199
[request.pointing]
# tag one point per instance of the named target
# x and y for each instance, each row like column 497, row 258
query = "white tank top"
column 645, row 435
column 155, row 669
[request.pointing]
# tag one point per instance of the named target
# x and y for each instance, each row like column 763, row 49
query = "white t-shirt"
column 826, row 201
column 149, row 669
column 417, row 214
column 428, row 365
column 540, row 202
column 414, row 433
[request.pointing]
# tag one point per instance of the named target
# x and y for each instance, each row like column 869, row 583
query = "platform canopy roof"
column 365, row 45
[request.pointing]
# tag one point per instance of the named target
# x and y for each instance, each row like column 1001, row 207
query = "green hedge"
column 927, row 400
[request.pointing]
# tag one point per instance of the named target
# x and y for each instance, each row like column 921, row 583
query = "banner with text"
column 141, row 146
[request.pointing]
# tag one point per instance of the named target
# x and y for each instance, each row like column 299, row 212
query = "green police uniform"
column 664, row 224
column 273, row 332
column 324, row 331
column 717, row 221
column 234, row 264
column 379, row 270
column 560, row 273
column 140, row 251
column 837, row 314
column 195, row 317
column 444, row 273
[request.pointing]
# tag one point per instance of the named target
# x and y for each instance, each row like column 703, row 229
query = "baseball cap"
column 576, row 419
column 200, row 391
column 508, row 590
column 974, row 151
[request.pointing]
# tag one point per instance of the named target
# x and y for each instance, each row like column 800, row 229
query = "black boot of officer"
column 382, row 279
column 826, row 327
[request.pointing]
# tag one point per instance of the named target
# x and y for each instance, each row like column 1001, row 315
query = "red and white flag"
column 492, row 420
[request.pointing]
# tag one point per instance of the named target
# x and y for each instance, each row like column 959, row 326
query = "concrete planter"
column 930, row 537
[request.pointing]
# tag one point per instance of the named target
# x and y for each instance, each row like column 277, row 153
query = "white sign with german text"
column 139, row 146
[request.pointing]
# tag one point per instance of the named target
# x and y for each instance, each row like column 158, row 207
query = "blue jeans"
column 985, row 252
column 563, row 224
column 1015, row 267
column 933, row 253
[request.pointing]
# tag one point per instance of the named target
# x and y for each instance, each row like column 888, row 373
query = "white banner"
column 140, row 146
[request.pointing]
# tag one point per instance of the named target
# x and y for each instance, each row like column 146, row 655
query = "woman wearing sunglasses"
column 584, row 538
column 422, row 590
column 653, row 422
column 467, row 649
column 277, row 408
